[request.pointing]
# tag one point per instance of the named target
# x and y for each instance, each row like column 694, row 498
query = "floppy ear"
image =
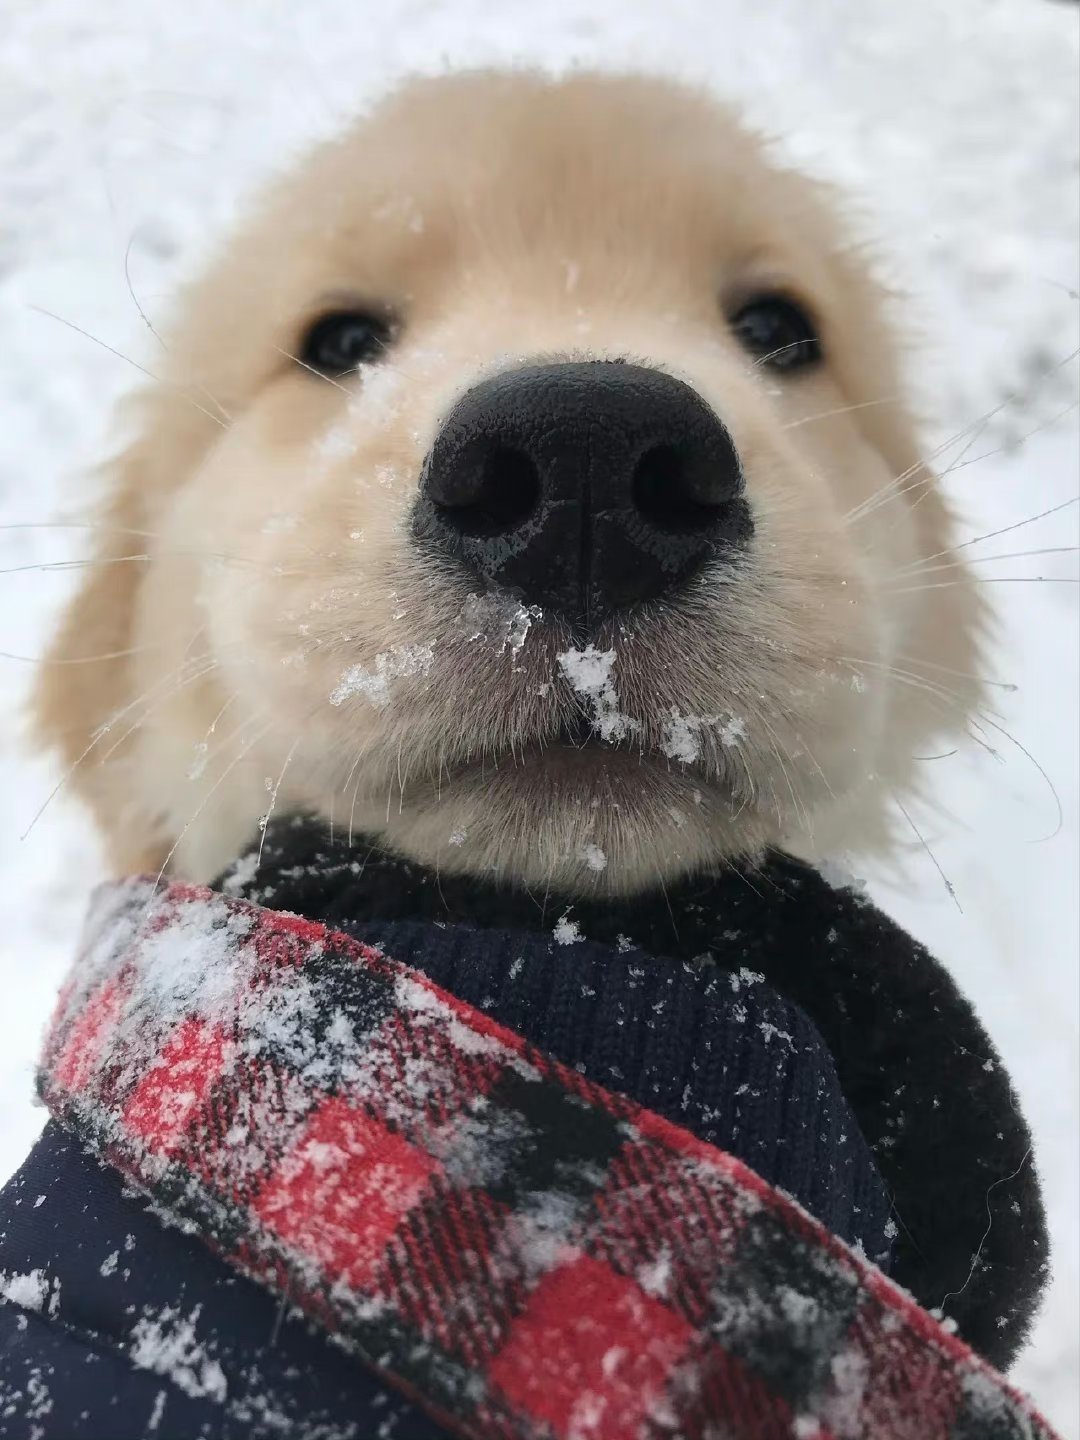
column 86, row 695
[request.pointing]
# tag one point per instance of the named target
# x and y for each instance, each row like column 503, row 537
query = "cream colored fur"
column 505, row 218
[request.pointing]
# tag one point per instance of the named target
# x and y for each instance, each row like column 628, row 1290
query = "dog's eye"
column 778, row 332
column 341, row 341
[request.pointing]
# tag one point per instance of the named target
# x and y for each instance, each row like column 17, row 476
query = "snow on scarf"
column 526, row 1255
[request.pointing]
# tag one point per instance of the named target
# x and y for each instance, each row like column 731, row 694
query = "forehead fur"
column 643, row 191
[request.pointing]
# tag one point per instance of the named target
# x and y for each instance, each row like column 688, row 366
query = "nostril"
column 502, row 490
column 667, row 486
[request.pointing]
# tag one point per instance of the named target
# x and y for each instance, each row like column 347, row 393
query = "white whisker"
column 244, row 752
column 987, row 580
column 840, row 410
column 159, row 380
column 149, row 325
column 1003, row 530
column 922, row 568
column 933, row 858
column 264, row 820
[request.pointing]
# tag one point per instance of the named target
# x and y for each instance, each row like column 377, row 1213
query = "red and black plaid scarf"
column 524, row 1253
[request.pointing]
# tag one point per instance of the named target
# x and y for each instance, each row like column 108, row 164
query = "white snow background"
column 135, row 127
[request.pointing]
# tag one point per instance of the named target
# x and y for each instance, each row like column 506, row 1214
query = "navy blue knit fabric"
column 922, row 1078
column 720, row 1053
column 232, row 1362
column 682, row 1018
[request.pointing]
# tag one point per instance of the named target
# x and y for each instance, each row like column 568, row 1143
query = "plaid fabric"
column 527, row 1255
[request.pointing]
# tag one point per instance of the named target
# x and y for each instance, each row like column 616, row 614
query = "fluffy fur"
column 284, row 644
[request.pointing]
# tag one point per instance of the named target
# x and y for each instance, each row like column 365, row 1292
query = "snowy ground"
column 141, row 122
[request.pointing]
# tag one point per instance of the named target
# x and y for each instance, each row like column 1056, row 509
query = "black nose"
column 583, row 488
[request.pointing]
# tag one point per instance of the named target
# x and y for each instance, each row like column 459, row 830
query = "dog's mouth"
column 578, row 734
column 512, row 695
column 579, row 761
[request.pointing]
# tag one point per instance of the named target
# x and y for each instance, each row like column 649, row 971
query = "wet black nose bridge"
column 578, row 477
column 583, row 487
column 585, row 535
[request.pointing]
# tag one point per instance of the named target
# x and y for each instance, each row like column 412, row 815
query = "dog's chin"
column 577, row 816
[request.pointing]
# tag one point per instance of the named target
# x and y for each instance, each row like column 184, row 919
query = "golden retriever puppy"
column 530, row 488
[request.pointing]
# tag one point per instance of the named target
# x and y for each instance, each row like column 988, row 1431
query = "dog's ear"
column 86, row 699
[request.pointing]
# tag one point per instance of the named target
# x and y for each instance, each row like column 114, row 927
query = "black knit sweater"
column 785, row 1021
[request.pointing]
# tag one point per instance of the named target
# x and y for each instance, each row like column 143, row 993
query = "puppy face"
column 531, row 488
